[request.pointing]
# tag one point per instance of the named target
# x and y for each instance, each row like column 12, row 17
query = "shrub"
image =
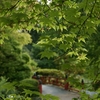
column 28, row 84
column 51, row 72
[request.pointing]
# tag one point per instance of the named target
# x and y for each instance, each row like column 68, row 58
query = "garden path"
column 59, row 92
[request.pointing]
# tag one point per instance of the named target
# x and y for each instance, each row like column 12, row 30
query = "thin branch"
column 88, row 16
column 12, row 7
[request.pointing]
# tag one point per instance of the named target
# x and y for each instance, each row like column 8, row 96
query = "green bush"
column 51, row 72
column 6, row 88
column 26, row 87
column 96, row 85
column 30, row 85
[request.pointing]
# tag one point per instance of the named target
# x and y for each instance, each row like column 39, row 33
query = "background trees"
column 14, row 63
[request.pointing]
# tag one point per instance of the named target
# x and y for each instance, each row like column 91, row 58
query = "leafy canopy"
column 72, row 23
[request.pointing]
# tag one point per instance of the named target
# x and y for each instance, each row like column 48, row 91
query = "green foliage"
column 17, row 97
column 73, row 23
column 35, row 50
column 93, row 54
column 26, row 89
column 6, row 88
column 18, row 90
column 50, row 97
column 48, row 54
column 13, row 63
column 28, row 84
column 51, row 72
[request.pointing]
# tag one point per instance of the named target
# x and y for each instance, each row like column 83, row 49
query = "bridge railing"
column 61, row 82
column 55, row 81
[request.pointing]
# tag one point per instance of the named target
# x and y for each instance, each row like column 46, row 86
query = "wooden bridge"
column 55, row 81
column 61, row 82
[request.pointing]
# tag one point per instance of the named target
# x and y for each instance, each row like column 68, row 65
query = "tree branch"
column 89, row 14
column 12, row 7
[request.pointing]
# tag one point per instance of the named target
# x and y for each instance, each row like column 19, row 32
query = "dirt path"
column 61, row 93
